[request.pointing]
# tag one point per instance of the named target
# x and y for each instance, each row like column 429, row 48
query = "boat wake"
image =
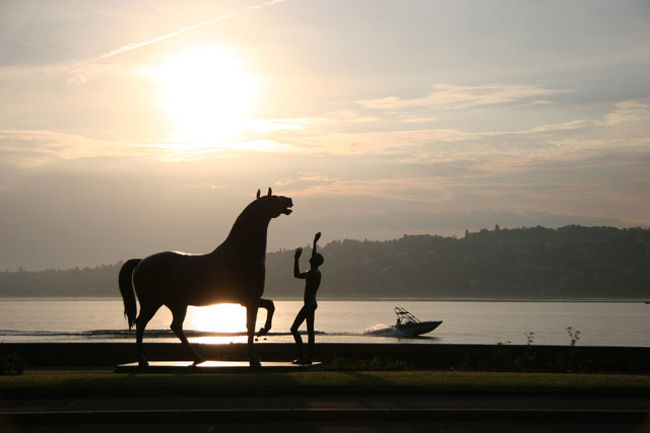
column 382, row 330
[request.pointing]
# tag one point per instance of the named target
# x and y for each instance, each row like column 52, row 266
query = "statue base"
column 213, row 367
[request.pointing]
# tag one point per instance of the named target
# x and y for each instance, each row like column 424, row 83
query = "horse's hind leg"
column 251, row 317
column 146, row 313
column 270, row 309
column 179, row 313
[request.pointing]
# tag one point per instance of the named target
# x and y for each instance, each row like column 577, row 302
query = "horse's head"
column 274, row 205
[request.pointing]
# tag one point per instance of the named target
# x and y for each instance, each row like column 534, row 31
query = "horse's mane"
column 245, row 219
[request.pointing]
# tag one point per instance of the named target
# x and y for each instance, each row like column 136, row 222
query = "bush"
column 10, row 364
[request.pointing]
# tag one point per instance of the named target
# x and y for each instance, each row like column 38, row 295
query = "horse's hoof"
column 254, row 363
column 197, row 362
column 262, row 331
column 143, row 363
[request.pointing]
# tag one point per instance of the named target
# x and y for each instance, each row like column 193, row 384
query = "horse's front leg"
column 251, row 318
column 270, row 309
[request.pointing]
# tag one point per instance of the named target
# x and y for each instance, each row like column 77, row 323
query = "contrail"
column 137, row 45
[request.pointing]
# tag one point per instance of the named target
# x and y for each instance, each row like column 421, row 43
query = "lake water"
column 101, row 320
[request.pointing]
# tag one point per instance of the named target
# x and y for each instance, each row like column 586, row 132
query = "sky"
column 131, row 127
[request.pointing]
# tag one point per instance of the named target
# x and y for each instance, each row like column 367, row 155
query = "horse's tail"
column 127, row 290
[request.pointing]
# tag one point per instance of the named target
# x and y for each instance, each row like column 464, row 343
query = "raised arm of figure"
column 296, row 268
column 316, row 238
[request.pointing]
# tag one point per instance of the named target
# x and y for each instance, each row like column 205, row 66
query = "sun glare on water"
column 227, row 318
column 207, row 94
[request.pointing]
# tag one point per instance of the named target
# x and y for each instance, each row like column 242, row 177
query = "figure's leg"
column 146, row 313
column 251, row 318
column 311, row 338
column 270, row 309
column 178, row 313
column 300, row 317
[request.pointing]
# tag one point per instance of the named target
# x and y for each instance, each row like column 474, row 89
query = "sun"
column 207, row 94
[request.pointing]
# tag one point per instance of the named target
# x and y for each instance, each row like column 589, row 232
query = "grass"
column 60, row 383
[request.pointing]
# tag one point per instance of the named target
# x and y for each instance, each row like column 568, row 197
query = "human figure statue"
column 312, row 282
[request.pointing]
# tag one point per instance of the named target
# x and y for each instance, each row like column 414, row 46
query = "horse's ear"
column 258, row 193
column 270, row 192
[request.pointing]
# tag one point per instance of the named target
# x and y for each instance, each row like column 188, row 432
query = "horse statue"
column 232, row 273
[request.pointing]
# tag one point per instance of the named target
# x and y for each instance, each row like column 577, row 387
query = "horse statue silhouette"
column 232, row 273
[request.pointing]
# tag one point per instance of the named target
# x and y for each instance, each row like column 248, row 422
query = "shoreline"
column 355, row 356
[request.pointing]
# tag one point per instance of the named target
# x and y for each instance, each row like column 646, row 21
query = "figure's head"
column 316, row 260
column 275, row 205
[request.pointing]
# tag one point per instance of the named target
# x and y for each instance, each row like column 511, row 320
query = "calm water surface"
column 599, row 323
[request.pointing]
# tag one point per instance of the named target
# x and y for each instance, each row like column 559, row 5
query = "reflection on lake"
column 98, row 320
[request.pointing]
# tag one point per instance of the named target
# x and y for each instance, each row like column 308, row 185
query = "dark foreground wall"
column 355, row 356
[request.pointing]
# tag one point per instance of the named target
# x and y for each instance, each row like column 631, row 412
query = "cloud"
column 405, row 119
column 204, row 186
column 399, row 189
column 8, row 72
column 540, row 102
column 546, row 141
column 455, row 97
column 350, row 116
column 36, row 147
column 571, row 125
column 377, row 143
column 307, row 177
column 410, row 165
column 336, row 118
column 260, row 126
column 628, row 111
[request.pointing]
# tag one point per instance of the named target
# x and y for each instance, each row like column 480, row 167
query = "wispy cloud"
column 290, row 123
column 30, row 148
column 627, row 111
column 379, row 142
column 456, row 97
column 394, row 189
column 486, row 151
column 79, row 69
column 305, row 180
column 136, row 45
column 340, row 117
column 417, row 119
column 462, row 168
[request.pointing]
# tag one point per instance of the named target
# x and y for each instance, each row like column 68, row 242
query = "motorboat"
column 407, row 324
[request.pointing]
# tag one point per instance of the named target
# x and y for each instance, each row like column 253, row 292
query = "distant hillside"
column 77, row 282
column 571, row 262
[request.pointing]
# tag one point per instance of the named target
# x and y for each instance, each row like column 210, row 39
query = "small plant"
column 574, row 335
column 502, row 343
column 10, row 364
column 530, row 337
